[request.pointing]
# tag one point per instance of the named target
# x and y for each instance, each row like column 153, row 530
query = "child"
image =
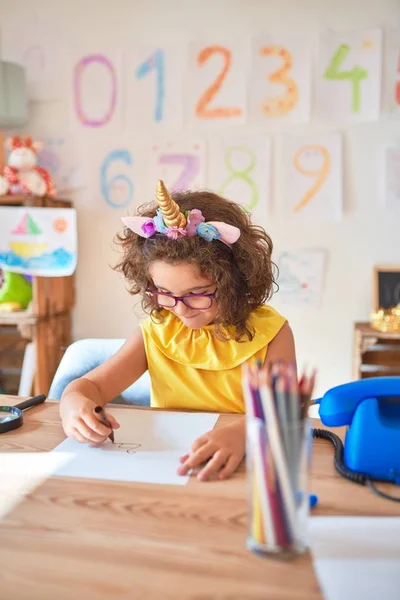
column 204, row 273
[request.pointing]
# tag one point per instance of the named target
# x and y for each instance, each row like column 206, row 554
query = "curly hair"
column 244, row 273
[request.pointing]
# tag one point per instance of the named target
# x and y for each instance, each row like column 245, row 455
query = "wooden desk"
column 95, row 540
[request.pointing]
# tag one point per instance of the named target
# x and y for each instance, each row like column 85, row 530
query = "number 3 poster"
column 281, row 79
column 349, row 75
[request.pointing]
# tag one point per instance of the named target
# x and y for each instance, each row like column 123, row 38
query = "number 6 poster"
column 349, row 76
column 313, row 177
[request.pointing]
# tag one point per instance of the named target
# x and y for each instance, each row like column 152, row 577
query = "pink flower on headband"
column 174, row 232
column 148, row 228
column 194, row 218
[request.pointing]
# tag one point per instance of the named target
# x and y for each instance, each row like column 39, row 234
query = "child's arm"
column 98, row 387
column 224, row 447
column 282, row 346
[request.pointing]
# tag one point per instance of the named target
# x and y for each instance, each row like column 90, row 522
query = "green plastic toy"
column 14, row 287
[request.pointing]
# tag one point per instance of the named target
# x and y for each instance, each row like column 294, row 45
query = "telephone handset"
column 371, row 409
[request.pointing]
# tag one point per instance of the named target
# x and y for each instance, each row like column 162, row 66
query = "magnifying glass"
column 11, row 417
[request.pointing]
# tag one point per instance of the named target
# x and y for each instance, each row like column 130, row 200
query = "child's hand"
column 79, row 421
column 223, row 448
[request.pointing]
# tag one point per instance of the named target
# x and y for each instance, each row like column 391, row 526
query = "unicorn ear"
column 143, row 226
column 229, row 233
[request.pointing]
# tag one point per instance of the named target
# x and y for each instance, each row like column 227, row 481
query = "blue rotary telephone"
column 371, row 409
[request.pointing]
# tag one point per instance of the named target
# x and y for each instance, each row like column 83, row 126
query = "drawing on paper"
column 60, row 157
column 129, row 448
column 300, row 278
column 38, row 241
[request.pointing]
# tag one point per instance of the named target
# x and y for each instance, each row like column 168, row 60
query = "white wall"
column 366, row 236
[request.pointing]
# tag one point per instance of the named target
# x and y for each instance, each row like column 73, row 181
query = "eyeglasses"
column 197, row 301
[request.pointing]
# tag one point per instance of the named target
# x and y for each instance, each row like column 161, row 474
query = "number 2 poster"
column 349, row 75
column 216, row 83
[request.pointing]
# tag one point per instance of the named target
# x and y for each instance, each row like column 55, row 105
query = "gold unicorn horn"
column 169, row 208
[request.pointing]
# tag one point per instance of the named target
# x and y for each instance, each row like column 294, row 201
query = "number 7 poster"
column 349, row 75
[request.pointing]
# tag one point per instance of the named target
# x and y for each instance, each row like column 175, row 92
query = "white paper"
column 38, row 241
column 280, row 84
column 21, row 472
column 112, row 164
column 313, row 186
column 62, row 157
column 95, row 89
column 392, row 178
column 356, row 557
column 351, row 89
column 240, row 170
column 301, row 278
column 147, row 447
column 38, row 46
column 391, row 78
column 181, row 164
column 216, row 83
column 155, row 87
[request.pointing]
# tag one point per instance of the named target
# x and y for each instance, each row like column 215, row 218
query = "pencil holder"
column 278, row 473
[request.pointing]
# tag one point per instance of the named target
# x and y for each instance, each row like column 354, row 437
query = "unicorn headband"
column 174, row 224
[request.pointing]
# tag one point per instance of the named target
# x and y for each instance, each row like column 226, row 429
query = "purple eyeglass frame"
column 182, row 298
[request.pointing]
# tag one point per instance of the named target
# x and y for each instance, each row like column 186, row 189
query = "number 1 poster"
column 349, row 75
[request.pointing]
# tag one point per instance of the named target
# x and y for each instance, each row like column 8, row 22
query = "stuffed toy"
column 21, row 175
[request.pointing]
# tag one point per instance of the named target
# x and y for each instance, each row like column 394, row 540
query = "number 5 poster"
column 313, row 177
column 349, row 75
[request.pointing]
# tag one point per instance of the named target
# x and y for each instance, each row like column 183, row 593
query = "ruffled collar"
column 201, row 348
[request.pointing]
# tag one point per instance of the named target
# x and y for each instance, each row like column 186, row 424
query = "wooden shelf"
column 20, row 317
column 21, row 200
column 375, row 353
column 46, row 322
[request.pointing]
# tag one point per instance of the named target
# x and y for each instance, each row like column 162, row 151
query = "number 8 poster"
column 349, row 76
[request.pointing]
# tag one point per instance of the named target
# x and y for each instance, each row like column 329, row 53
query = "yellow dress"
column 192, row 369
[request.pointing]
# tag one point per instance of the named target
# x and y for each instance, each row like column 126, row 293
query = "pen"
column 100, row 413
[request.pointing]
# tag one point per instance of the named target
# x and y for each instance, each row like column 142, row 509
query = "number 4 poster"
column 349, row 75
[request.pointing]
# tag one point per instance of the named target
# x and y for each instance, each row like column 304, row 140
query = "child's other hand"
column 222, row 449
column 79, row 421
